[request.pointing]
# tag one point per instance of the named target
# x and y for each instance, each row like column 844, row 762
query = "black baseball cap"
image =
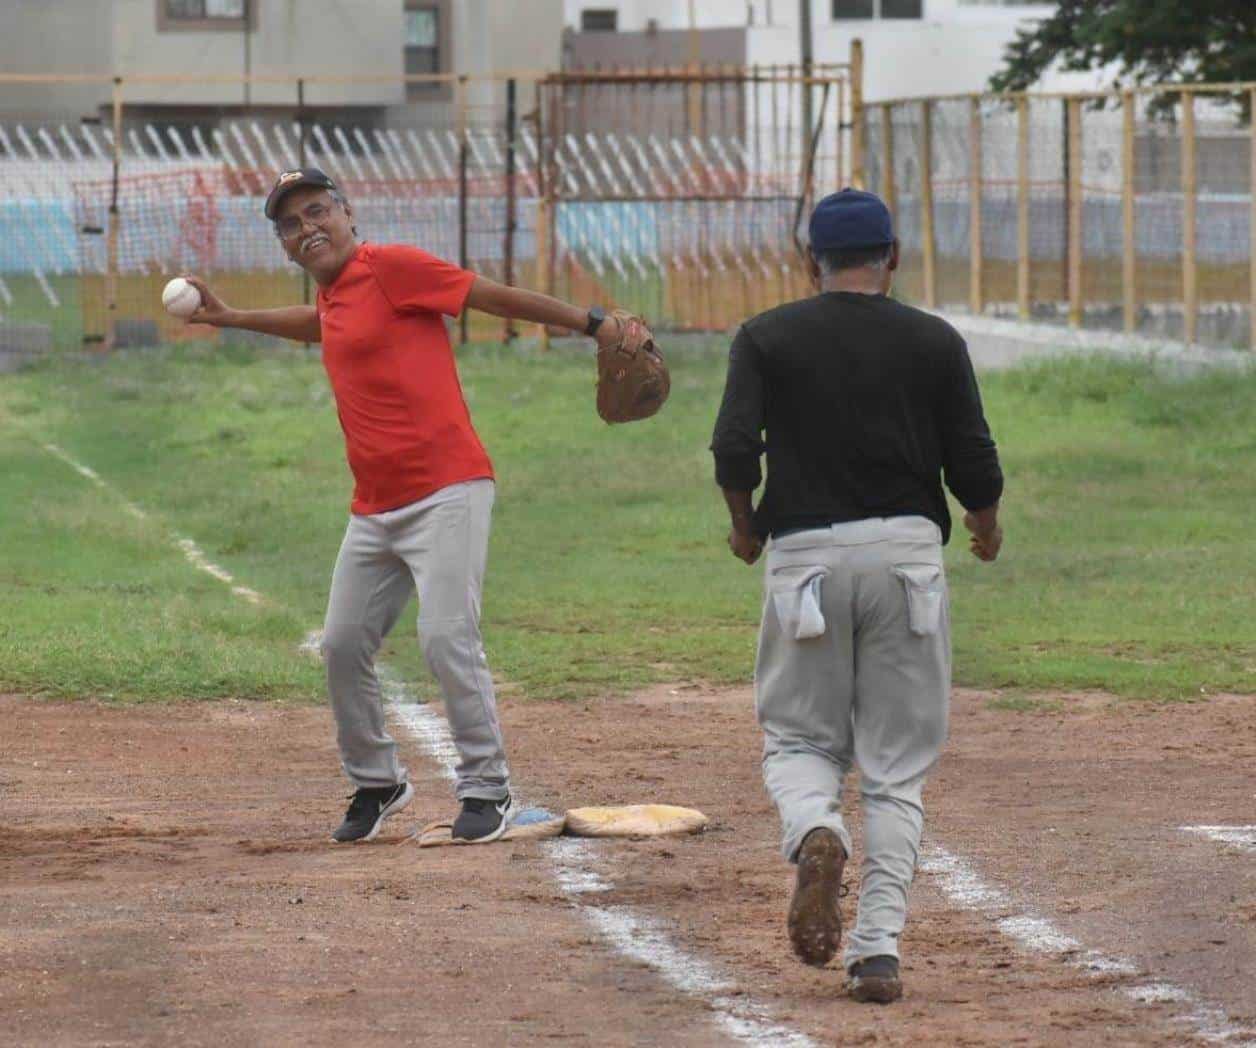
column 850, row 218
column 290, row 180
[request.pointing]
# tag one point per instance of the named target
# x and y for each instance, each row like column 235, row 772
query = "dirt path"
column 167, row 878
column 1082, row 803
column 966, row 982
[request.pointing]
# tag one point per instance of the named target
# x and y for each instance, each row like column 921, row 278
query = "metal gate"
column 680, row 195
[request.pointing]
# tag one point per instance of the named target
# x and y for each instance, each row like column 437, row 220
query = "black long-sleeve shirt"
column 865, row 403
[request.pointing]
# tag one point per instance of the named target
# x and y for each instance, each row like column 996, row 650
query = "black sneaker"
column 875, row 979
column 368, row 810
column 481, row 820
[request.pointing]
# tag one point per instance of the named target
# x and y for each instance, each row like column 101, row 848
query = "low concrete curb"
column 22, row 344
column 995, row 343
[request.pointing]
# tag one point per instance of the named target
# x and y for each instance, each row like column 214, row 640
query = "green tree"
column 1146, row 41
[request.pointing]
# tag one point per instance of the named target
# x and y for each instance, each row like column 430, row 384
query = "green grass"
column 1128, row 566
column 30, row 305
column 1017, row 703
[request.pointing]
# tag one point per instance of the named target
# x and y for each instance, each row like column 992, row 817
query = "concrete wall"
column 666, row 47
column 662, row 109
column 499, row 36
column 41, row 36
column 325, row 37
column 634, row 15
column 289, row 38
column 524, row 37
column 954, row 48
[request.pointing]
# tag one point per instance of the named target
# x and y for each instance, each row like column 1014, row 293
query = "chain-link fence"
column 694, row 220
column 572, row 184
column 96, row 215
column 1130, row 211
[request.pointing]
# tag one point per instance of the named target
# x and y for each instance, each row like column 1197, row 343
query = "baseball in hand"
column 180, row 298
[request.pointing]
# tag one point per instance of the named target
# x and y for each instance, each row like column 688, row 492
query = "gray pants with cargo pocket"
column 437, row 546
column 854, row 666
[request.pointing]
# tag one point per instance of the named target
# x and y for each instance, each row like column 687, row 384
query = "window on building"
column 599, row 20
column 206, row 14
column 422, row 46
column 848, row 10
column 844, row 10
column 201, row 9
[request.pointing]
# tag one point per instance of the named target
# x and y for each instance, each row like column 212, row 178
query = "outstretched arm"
column 518, row 303
column 299, row 323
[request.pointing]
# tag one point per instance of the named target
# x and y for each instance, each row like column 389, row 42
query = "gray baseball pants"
column 437, row 546
column 854, row 665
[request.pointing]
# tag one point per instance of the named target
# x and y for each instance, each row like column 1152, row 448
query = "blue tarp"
column 229, row 233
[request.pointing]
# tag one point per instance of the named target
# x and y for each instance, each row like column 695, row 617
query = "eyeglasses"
column 291, row 225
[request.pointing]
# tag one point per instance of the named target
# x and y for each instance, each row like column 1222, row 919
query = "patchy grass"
column 1014, row 702
column 1128, row 564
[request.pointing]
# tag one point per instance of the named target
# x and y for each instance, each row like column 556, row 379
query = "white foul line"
column 195, row 556
column 965, row 887
column 1242, row 837
column 639, row 938
column 643, row 939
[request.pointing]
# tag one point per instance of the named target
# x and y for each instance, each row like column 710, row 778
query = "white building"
column 207, row 41
column 911, row 47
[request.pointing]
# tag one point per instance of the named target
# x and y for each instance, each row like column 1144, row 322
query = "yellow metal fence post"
column 111, row 262
column 1129, row 258
column 857, row 115
column 1251, row 263
column 1190, row 261
column 1075, row 245
column 928, row 243
column 976, row 300
column 1022, row 207
column 887, row 158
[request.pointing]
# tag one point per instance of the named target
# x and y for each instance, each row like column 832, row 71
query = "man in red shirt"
column 423, row 485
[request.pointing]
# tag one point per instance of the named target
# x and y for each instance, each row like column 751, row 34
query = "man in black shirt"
column 862, row 406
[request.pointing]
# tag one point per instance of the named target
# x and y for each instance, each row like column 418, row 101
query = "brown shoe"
column 815, row 921
column 875, row 980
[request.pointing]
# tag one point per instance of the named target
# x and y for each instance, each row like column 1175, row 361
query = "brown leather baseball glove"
column 632, row 378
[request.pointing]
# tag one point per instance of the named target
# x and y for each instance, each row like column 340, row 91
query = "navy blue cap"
column 289, row 180
column 850, row 218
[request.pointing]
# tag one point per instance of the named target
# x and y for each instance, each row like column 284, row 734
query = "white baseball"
column 180, row 298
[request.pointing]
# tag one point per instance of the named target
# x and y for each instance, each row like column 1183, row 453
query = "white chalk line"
column 965, row 887
column 643, row 939
column 191, row 551
column 633, row 935
column 1241, row 837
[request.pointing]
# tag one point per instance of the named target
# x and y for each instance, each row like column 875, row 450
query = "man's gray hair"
column 837, row 259
column 343, row 201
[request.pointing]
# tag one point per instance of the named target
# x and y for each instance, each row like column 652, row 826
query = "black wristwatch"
column 596, row 315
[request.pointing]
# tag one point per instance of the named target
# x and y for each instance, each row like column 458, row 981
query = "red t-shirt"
column 407, row 429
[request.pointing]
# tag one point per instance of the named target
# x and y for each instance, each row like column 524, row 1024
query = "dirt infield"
column 166, row 877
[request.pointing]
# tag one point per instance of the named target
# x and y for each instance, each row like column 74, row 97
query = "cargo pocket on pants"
column 796, row 598
column 926, row 592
